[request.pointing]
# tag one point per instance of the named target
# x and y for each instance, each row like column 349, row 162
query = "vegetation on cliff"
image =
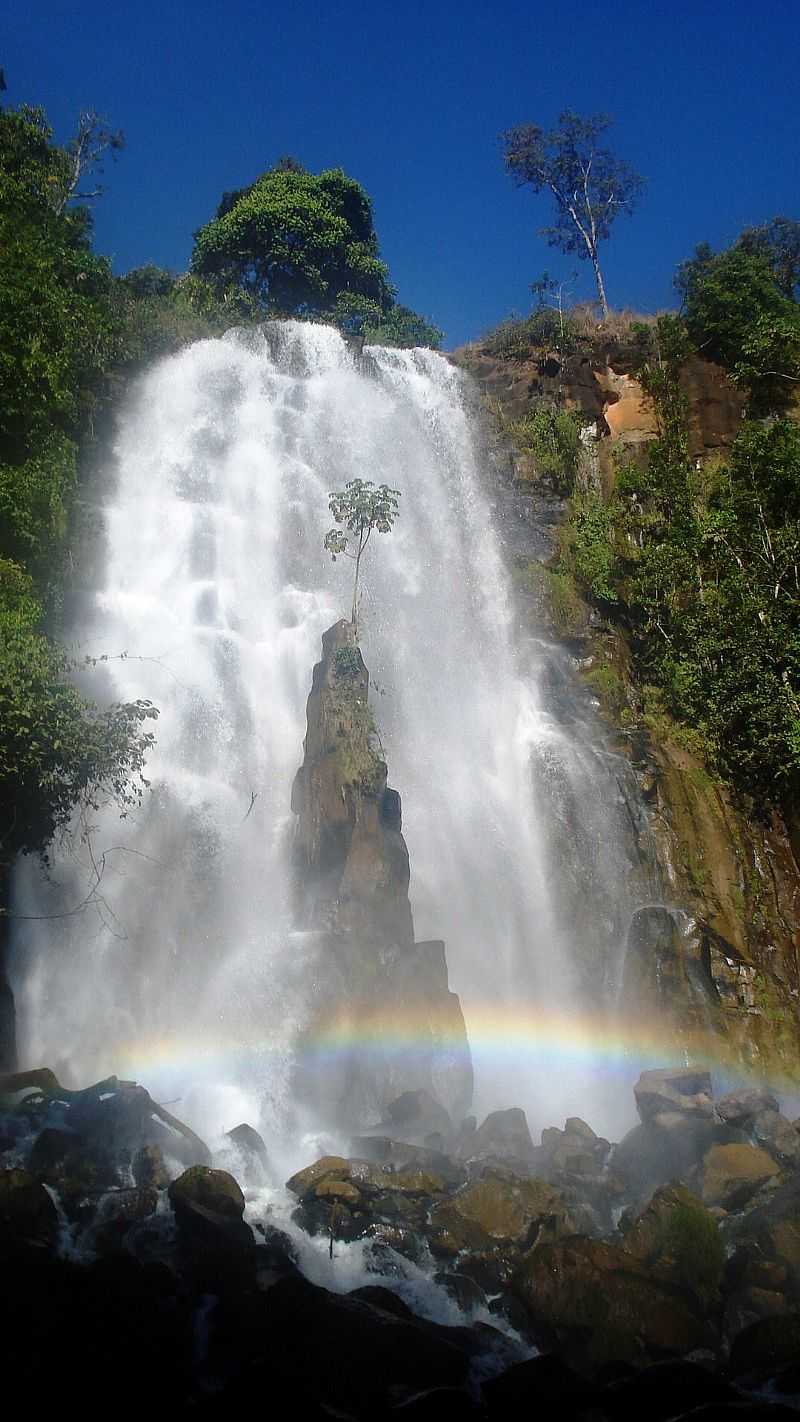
column 58, row 335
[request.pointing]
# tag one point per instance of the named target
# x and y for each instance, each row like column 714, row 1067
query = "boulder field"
column 656, row 1278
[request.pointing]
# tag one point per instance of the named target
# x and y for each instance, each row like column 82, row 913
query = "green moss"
column 689, row 1237
column 609, row 688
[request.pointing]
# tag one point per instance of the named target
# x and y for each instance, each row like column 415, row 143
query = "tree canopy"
column 590, row 187
column 298, row 242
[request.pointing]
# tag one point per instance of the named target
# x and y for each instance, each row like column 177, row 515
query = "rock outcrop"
column 720, row 976
column 383, row 1020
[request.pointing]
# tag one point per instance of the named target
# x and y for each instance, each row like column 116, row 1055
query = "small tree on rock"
column 589, row 185
column 360, row 507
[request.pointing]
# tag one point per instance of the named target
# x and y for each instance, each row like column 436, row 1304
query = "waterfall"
column 214, row 592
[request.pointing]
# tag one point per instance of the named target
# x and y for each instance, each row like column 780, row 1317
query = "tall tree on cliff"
column 589, row 186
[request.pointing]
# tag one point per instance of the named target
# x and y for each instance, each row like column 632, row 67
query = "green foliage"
column 779, row 242
column 690, row 1239
column 347, row 663
column 401, row 326
column 553, row 438
column 738, row 313
column 360, row 508
column 518, row 337
column 56, row 749
column 296, row 241
column 587, row 546
column 703, row 566
column 59, row 333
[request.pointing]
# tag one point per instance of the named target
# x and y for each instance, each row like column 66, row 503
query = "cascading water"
column 182, row 969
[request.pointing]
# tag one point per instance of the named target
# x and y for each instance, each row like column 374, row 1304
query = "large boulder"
column 218, row 1246
column 669, row 1148
column 740, row 1108
column 682, row 1091
column 499, row 1209
column 769, row 1343
column 595, row 1303
column 732, row 1174
column 677, row 1238
column 503, row 1135
column 355, row 1354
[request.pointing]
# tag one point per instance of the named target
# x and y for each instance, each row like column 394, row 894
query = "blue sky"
column 410, row 98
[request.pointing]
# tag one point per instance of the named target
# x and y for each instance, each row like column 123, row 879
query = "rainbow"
column 520, row 1039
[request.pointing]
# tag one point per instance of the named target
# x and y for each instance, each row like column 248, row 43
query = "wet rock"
column 80, row 1170
column 462, row 1290
column 771, row 1228
column 681, row 1091
column 769, row 1343
column 740, row 1108
column 383, row 1298
column 352, row 1355
column 118, row 1212
column 732, row 1174
column 328, row 1167
column 665, row 1390
column 148, row 1168
column 218, row 1246
column 537, row 1383
column 417, row 1113
column 503, row 1135
column 402, row 1156
column 677, row 1238
column 748, row 1305
column 253, row 1154
column 28, row 1217
column 35, row 1082
column 576, row 1150
column 657, row 1153
column 498, row 1209
column 597, row 1304
column 778, row 1136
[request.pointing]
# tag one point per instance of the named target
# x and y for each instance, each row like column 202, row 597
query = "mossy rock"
column 495, row 1209
column 328, row 1167
column 679, row 1238
column 202, row 1188
column 601, row 1305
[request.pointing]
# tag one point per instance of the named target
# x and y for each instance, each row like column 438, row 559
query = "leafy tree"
column 402, row 327
column 737, row 314
column 360, row 507
column 59, row 333
column 297, row 242
column 589, row 186
column 779, row 242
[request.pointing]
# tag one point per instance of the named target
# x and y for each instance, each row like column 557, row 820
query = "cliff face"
column 383, row 1021
column 724, row 963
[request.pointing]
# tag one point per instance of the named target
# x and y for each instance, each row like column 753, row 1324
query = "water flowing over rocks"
column 378, row 995
column 689, row 1301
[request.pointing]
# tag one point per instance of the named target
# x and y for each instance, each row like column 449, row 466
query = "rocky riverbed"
column 429, row 1270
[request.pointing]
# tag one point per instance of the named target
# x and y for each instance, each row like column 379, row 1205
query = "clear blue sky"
column 409, row 97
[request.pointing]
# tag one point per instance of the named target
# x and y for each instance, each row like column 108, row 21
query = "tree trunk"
column 598, row 276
